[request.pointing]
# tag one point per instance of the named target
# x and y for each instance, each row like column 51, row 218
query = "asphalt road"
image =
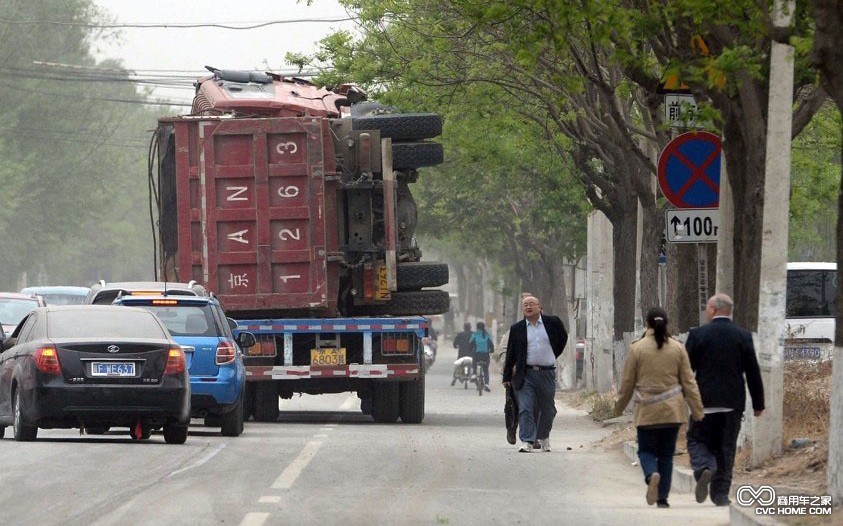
column 325, row 463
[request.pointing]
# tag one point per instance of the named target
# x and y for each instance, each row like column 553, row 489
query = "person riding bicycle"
column 481, row 348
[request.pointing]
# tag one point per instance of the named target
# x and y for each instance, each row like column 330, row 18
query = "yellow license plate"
column 382, row 291
column 327, row 356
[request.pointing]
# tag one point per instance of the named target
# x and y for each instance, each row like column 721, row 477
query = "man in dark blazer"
column 723, row 357
column 530, row 368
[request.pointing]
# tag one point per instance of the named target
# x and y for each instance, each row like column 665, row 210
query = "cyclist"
column 482, row 347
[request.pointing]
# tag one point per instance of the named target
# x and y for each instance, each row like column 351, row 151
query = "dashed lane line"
column 254, row 518
column 270, row 499
column 291, row 473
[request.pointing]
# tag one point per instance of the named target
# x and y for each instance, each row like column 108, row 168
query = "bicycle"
column 481, row 380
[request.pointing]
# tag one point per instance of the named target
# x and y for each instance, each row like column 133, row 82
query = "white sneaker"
column 545, row 443
column 526, row 447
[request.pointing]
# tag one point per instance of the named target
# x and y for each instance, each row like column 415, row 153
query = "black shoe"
column 662, row 503
column 721, row 502
column 701, row 491
column 486, row 387
column 510, row 434
column 453, row 382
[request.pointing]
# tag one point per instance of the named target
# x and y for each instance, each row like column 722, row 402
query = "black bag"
column 510, row 408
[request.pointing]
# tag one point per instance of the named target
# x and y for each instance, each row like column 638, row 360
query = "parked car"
column 14, row 306
column 103, row 293
column 59, row 294
column 93, row 367
column 214, row 356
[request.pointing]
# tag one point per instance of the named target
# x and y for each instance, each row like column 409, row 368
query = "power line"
column 169, row 25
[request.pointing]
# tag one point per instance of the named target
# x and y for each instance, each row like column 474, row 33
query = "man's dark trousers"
column 712, row 444
column 538, row 394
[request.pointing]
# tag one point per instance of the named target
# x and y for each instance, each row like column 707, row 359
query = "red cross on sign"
column 689, row 170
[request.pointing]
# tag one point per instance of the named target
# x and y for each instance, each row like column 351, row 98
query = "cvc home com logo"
column 766, row 502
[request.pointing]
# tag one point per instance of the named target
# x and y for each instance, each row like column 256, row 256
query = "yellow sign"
column 382, row 291
column 327, row 357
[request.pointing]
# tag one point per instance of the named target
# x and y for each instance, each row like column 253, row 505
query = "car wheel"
column 2, row 431
column 232, row 422
column 23, row 431
column 175, row 433
column 96, row 430
column 419, row 274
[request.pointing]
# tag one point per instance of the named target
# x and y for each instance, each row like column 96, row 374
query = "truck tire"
column 266, row 402
column 401, row 126
column 409, row 303
column 411, row 399
column 406, row 155
column 385, row 407
column 419, row 274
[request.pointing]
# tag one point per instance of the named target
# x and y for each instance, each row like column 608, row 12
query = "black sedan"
column 93, row 367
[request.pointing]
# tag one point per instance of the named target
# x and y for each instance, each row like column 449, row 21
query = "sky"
column 190, row 49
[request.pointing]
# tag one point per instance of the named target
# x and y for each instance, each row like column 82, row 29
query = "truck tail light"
column 368, row 283
column 225, row 352
column 47, row 360
column 175, row 361
column 392, row 344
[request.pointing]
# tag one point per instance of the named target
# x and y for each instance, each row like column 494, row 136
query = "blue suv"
column 214, row 357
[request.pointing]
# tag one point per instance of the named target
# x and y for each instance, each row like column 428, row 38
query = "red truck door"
column 256, row 223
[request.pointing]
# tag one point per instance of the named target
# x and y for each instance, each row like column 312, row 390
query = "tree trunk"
column 624, row 230
column 650, row 248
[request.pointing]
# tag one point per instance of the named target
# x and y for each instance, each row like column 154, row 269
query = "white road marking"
column 199, row 462
column 320, row 436
column 269, row 499
column 325, row 429
column 254, row 519
column 292, row 472
column 352, row 402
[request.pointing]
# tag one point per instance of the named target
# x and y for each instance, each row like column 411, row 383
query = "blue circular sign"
column 689, row 170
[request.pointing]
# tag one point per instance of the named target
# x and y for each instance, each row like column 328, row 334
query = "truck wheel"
column 401, row 126
column 232, row 422
column 411, row 397
column 407, row 155
column 409, row 303
column 266, row 402
column 385, row 409
column 419, row 274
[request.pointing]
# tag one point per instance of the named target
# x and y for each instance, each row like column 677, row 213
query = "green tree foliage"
column 73, row 165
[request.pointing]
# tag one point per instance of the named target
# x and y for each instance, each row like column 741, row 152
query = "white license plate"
column 113, row 369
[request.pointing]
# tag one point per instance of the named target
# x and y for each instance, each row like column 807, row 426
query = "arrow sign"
column 689, row 170
column 690, row 225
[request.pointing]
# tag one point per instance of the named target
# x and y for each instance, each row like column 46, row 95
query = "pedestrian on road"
column 723, row 357
column 657, row 376
column 462, row 341
column 481, row 348
column 531, row 352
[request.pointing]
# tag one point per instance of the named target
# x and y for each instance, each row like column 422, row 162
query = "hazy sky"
column 190, row 49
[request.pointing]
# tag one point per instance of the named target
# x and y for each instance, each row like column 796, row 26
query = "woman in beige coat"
column 658, row 377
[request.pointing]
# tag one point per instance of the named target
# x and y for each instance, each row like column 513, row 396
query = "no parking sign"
column 689, row 170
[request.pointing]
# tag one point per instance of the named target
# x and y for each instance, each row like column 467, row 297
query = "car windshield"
column 122, row 323
column 12, row 311
column 185, row 320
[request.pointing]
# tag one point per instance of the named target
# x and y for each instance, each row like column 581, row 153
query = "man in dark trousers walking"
column 530, row 368
column 723, row 357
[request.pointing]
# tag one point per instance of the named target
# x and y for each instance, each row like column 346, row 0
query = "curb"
column 683, row 482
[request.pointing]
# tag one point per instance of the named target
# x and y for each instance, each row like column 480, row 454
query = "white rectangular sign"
column 680, row 110
column 692, row 225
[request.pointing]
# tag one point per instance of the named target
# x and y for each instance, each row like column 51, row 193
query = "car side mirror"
column 246, row 340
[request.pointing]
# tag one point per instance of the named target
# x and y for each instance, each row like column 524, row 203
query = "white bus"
column 811, row 309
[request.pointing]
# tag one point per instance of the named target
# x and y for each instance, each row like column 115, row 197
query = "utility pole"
column 767, row 431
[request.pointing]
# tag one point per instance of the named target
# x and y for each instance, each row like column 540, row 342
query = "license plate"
column 112, row 369
column 327, row 356
column 382, row 291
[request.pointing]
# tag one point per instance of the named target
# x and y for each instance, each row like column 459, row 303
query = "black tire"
column 97, row 430
column 175, row 433
column 23, row 431
column 401, row 126
column 409, row 303
column 420, row 274
column 406, row 155
column 411, row 398
column 232, row 422
column 385, row 406
column 266, row 402
column 2, row 431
